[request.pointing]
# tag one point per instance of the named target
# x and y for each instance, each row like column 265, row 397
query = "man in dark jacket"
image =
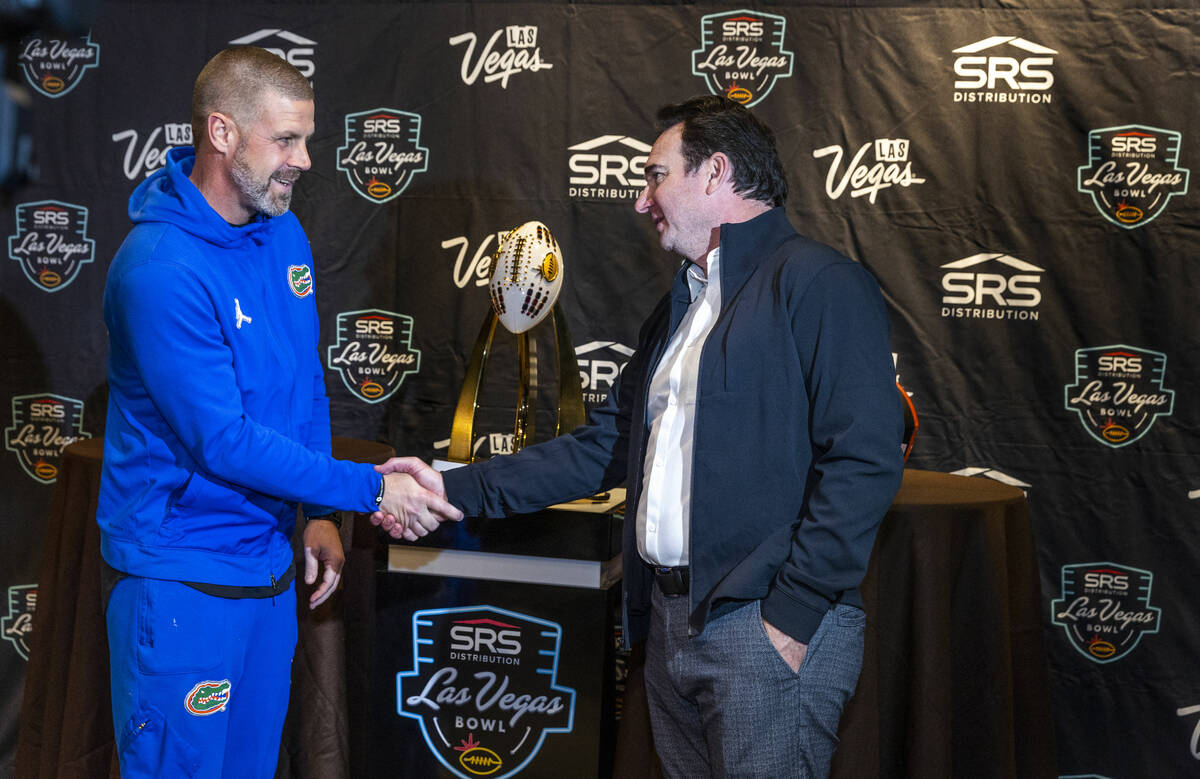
column 758, row 431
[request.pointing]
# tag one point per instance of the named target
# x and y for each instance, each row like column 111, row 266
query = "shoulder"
column 802, row 262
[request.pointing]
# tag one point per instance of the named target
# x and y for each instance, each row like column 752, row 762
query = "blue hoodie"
column 218, row 423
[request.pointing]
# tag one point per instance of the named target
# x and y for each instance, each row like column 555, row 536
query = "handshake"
column 414, row 499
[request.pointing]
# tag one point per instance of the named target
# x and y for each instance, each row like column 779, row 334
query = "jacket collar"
column 743, row 246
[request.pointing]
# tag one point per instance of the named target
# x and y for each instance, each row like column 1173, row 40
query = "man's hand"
column 426, row 475
column 414, row 499
column 791, row 650
column 322, row 542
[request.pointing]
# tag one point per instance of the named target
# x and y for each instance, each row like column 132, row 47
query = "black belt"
column 671, row 581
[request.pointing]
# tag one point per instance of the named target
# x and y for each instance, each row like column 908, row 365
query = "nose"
column 299, row 157
column 642, row 206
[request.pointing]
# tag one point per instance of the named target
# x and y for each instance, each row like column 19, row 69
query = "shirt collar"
column 696, row 278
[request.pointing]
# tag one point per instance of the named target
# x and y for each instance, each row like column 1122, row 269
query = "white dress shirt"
column 664, row 508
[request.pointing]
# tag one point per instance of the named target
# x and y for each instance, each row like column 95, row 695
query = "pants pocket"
column 180, row 630
column 148, row 747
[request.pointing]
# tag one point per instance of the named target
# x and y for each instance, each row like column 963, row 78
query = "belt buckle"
column 671, row 581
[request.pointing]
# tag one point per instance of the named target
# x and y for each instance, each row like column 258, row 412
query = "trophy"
column 527, row 275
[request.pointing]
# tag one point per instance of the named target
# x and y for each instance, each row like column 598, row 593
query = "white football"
column 527, row 275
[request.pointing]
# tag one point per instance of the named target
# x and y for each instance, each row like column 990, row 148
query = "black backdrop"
column 1015, row 174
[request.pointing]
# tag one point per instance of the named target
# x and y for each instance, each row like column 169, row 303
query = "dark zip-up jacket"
column 797, row 436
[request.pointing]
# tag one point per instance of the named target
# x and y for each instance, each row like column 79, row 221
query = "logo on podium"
column 484, row 688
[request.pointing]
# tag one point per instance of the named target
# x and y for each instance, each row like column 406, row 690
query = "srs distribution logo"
column 991, row 285
column 1003, row 69
column 296, row 50
column 607, row 167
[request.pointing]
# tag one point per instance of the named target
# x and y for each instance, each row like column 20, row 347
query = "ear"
column 222, row 133
column 720, row 170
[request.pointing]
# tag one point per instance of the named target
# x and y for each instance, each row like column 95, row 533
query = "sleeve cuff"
column 798, row 620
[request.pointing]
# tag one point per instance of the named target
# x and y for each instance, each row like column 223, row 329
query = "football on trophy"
column 527, row 274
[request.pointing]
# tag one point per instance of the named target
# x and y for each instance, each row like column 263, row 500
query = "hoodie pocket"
column 211, row 515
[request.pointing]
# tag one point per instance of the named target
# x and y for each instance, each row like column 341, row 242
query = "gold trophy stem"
column 462, row 433
column 570, row 390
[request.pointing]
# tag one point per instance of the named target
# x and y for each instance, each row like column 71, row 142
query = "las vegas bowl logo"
column 484, row 689
column 1132, row 173
column 43, row 425
column 374, row 353
column 1118, row 392
column 1105, row 609
column 382, row 152
column 55, row 66
column 17, row 627
column 741, row 54
column 51, row 243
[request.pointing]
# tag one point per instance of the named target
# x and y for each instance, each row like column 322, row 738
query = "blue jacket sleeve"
column 320, row 435
column 164, row 317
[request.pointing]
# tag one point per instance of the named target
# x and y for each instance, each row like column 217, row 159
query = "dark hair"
column 235, row 81
column 712, row 123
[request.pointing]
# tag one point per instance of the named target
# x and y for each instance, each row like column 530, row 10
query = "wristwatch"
column 333, row 516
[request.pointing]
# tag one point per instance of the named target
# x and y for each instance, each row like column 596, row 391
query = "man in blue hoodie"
column 218, row 426
column 757, row 429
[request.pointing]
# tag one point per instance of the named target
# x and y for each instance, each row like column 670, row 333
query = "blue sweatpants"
column 199, row 683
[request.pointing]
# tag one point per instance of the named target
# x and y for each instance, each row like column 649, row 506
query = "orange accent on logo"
column 480, row 761
column 1101, row 649
column 378, row 189
column 739, row 94
column 49, row 279
column 371, row 389
column 44, row 470
column 53, row 83
column 1128, row 214
column 1114, row 432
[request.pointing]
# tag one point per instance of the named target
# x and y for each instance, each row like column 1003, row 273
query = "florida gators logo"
column 300, row 280
column 208, row 698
